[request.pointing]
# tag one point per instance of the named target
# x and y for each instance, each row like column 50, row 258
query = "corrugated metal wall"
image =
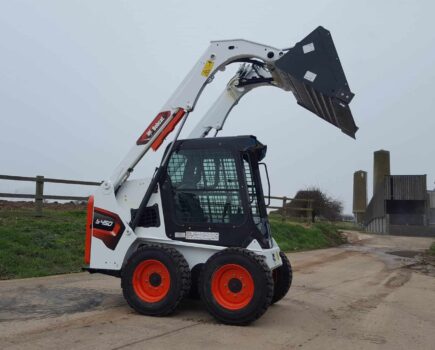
column 377, row 225
column 376, row 207
column 400, row 188
column 431, row 195
column 405, row 187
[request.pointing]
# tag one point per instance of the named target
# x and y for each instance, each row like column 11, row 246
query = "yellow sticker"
column 206, row 70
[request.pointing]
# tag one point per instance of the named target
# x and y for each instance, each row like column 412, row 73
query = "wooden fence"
column 39, row 195
column 284, row 209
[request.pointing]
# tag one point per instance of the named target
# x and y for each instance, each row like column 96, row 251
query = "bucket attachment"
column 313, row 72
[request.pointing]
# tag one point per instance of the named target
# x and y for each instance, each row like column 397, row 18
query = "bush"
column 322, row 205
column 291, row 237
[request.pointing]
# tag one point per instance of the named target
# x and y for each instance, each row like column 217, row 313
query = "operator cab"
column 212, row 192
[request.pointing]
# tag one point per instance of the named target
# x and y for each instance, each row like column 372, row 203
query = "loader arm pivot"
column 311, row 70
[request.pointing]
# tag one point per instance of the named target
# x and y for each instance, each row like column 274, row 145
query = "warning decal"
column 202, row 236
column 208, row 66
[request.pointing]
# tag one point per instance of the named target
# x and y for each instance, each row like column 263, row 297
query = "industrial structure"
column 431, row 195
column 359, row 195
column 401, row 204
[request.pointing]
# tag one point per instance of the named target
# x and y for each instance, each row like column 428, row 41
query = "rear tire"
column 155, row 279
column 282, row 277
column 194, row 289
column 236, row 286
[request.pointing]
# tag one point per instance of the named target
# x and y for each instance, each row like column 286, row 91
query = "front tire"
column 155, row 280
column 236, row 286
column 282, row 277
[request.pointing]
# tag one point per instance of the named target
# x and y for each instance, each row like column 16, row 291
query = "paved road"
column 353, row 297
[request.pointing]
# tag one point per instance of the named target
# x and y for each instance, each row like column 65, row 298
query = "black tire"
column 194, row 289
column 253, row 286
column 139, row 286
column 282, row 277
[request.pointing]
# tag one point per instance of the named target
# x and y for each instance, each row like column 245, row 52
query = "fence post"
column 310, row 211
column 39, row 195
column 284, row 210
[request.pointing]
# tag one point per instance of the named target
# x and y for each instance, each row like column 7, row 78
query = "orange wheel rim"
column 151, row 281
column 232, row 286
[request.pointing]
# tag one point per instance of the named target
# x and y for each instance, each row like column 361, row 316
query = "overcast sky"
column 81, row 80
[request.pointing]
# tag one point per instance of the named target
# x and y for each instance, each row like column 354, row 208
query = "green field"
column 53, row 244
column 49, row 245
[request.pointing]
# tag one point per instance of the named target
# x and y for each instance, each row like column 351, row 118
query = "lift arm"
column 247, row 78
column 311, row 70
column 216, row 57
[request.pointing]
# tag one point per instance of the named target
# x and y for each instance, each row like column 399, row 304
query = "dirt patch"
column 399, row 279
column 425, row 265
column 304, row 266
column 405, row 253
column 367, row 303
column 41, row 302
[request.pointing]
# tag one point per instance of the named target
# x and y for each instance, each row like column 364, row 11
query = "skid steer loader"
column 200, row 224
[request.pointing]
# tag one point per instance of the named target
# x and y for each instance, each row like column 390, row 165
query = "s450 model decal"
column 108, row 227
column 104, row 223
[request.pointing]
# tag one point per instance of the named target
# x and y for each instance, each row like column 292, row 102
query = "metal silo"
column 381, row 168
column 359, row 195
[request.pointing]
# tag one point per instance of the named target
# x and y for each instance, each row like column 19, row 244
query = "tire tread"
column 260, row 260
column 182, row 268
column 284, row 282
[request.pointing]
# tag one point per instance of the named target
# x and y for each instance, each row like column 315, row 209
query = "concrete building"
column 401, row 204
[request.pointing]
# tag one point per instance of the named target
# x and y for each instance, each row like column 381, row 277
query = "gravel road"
column 371, row 294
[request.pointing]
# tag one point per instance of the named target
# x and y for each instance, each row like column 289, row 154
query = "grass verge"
column 431, row 250
column 53, row 244
column 291, row 236
column 40, row 246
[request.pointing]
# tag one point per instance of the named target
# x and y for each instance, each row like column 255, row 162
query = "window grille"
column 252, row 192
column 205, row 186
